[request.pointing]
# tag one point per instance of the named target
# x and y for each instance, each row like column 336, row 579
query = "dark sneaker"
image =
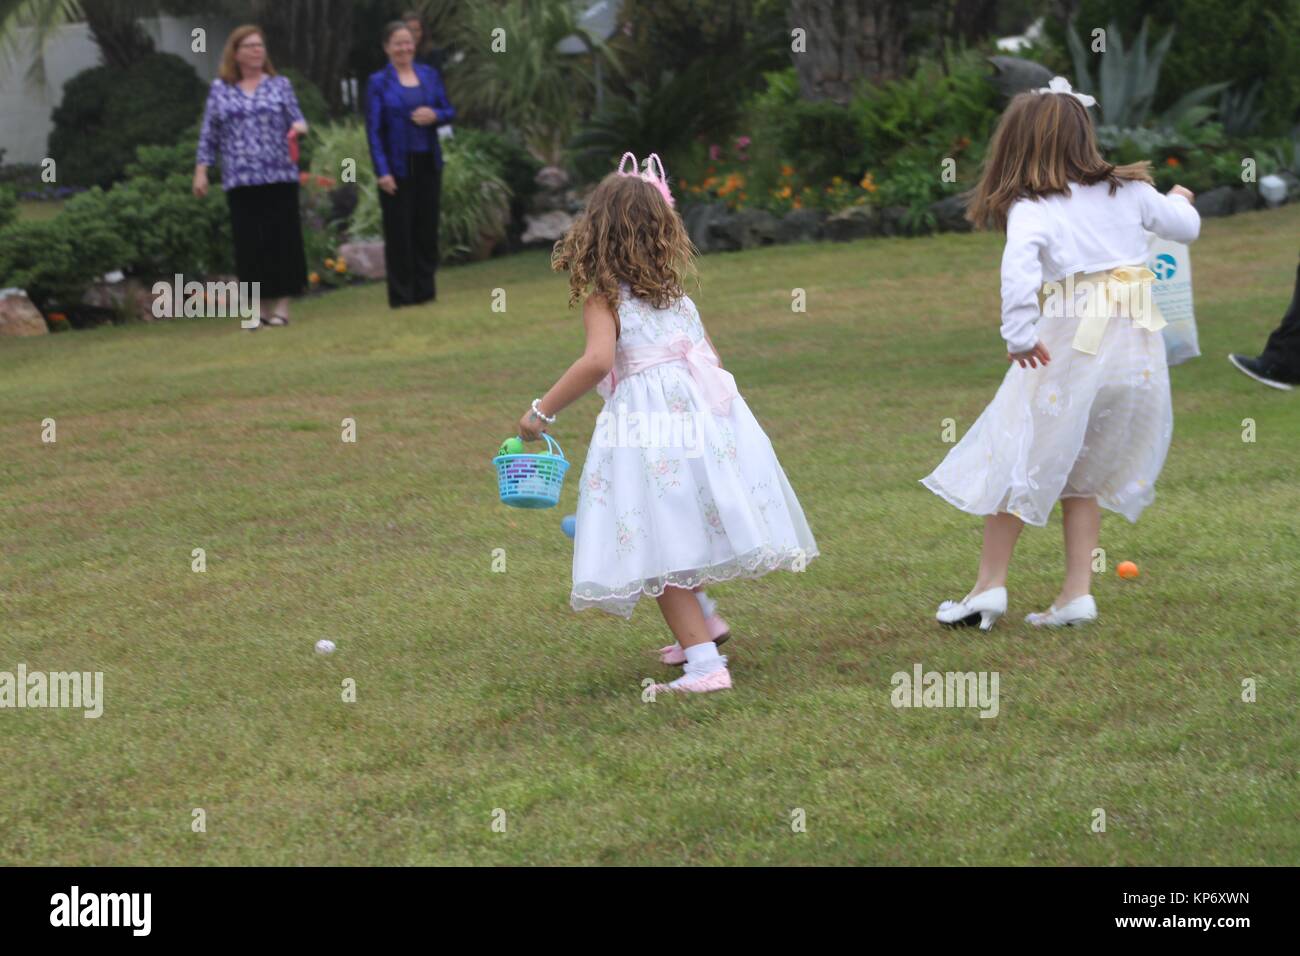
column 1258, row 372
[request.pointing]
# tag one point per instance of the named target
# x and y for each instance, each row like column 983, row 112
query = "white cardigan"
column 1051, row 237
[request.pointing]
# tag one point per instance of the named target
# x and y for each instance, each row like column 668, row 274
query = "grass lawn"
column 481, row 691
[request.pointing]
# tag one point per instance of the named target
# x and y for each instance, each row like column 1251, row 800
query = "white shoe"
column 1078, row 611
column 984, row 608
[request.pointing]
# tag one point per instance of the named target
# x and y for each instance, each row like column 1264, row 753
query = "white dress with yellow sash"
column 1097, row 420
column 681, row 485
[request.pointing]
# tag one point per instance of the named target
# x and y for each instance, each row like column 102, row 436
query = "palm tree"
column 528, row 85
column 113, row 24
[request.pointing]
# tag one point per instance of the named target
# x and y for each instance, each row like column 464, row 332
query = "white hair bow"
column 1060, row 84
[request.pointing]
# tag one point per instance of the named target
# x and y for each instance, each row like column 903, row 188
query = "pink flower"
column 743, row 142
column 715, row 153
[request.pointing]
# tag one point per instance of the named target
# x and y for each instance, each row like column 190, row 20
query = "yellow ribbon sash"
column 1125, row 290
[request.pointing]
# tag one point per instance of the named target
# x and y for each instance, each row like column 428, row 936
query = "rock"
column 893, row 221
column 950, row 213
column 855, row 222
column 699, row 220
column 546, row 227
column 1215, row 202
column 743, row 229
column 125, row 297
column 364, row 258
column 18, row 316
column 552, row 178
column 801, row 225
column 1244, row 198
column 1012, row 75
column 1272, row 189
column 553, row 191
column 1292, row 185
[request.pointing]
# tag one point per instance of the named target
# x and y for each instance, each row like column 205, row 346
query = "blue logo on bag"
column 1164, row 266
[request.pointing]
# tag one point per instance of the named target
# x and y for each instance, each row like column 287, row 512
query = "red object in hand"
column 293, row 146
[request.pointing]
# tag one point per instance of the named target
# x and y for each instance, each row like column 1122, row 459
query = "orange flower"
column 58, row 317
column 1173, row 161
column 787, row 170
column 341, row 267
column 304, row 178
column 324, row 181
column 329, row 263
column 314, row 278
column 798, row 204
column 868, row 183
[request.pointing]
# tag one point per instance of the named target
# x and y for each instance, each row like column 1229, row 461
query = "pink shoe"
column 674, row 656
column 698, row 684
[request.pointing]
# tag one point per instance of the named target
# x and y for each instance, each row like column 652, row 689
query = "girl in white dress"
column 681, row 486
column 1084, row 413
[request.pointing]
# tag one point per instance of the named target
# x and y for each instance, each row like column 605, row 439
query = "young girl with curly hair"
column 681, row 486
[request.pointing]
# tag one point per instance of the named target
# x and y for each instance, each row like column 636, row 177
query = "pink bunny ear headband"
column 658, row 180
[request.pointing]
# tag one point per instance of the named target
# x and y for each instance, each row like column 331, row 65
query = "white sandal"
column 1079, row 611
column 984, row 608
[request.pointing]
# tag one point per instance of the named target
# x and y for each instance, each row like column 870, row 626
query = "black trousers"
column 1281, row 356
column 268, row 238
column 411, row 232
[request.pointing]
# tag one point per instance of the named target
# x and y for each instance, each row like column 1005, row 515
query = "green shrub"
column 56, row 259
column 310, row 99
column 475, row 198
column 895, row 135
column 8, row 205
column 943, row 110
column 518, row 167
column 339, row 152
column 107, row 113
column 820, row 140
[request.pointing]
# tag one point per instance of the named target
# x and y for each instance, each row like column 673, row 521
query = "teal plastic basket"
column 532, row 481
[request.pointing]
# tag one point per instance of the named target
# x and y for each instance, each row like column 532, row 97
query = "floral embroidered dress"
column 681, row 486
column 1090, row 423
column 248, row 132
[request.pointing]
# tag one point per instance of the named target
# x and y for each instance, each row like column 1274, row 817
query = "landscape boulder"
column 18, row 316
column 365, row 258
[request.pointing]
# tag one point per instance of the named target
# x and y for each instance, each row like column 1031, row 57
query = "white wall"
column 25, row 105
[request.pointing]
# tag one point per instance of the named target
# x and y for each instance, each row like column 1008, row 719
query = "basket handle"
column 553, row 446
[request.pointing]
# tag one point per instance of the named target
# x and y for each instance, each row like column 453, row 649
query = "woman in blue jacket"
column 405, row 104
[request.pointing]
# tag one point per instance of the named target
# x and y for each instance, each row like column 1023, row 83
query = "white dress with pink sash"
column 681, row 486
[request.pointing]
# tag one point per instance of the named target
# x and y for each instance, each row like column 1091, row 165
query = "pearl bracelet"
column 538, row 413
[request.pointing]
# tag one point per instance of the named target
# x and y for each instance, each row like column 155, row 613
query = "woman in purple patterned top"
column 249, row 127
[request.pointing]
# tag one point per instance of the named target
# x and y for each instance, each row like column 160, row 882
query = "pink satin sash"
column 716, row 384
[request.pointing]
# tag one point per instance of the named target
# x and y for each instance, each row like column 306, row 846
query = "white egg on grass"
column 324, row 646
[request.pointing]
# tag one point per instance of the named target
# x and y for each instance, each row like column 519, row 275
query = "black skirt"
column 268, row 238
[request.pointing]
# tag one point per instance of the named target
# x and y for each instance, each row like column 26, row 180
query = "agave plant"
column 1238, row 112
column 1127, row 79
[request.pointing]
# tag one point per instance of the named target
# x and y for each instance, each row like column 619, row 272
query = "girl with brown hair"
column 1084, row 412
column 681, row 486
